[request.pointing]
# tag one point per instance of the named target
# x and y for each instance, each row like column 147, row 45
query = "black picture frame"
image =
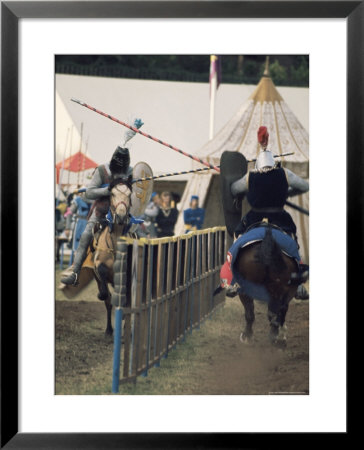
column 11, row 13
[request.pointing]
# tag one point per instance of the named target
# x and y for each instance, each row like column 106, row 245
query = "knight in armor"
column 193, row 216
column 267, row 188
column 105, row 177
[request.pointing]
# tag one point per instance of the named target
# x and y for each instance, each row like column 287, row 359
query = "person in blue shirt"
column 80, row 207
column 193, row 216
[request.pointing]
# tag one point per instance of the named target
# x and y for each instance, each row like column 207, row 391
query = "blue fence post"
column 117, row 350
column 71, row 258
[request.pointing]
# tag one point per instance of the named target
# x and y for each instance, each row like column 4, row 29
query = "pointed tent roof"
column 76, row 163
column 265, row 107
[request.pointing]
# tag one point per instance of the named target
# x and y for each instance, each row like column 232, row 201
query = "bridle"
column 121, row 202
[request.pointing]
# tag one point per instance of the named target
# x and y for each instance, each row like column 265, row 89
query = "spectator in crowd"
column 167, row 216
column 79, row 210
column 175, row 198
column 147, row 229
column 59, row 227
column 193, row 216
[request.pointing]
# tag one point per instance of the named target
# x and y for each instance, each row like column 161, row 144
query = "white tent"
column 265, row 106
column 175, row 112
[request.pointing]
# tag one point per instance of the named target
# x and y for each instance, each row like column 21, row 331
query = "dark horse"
column 105, row 246
column 265, row 264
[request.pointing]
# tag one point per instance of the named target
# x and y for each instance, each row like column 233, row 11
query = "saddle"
column 256, row 232
column 267, row 224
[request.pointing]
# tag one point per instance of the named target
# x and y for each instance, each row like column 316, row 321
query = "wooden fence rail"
column 163, row 290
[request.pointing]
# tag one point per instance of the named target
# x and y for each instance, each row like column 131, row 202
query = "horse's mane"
column 127, row 182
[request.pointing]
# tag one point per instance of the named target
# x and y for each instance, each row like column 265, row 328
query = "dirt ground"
column 211, row 361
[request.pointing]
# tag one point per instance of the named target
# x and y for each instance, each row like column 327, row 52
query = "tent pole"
column 212, row 106
column 62, row 169
column 84, row 160
column 69, row 172
column 79, row 163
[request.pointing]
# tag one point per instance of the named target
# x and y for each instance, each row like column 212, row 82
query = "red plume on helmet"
column 263, row 136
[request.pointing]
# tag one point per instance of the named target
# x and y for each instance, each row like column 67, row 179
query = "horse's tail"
column 270, row 254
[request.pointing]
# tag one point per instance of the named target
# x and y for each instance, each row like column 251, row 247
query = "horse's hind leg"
column 277, row 311
column 248, row 304
column 108, row 306
column 102, row 272
column 104, row 294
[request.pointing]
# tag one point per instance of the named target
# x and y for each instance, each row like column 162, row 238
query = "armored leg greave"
column 81, row 251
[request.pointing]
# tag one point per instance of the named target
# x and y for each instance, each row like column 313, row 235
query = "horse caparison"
column 105, row 246
column 264, row 263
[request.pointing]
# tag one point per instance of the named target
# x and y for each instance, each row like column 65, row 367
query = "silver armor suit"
column 94, row 191
column 296, row 184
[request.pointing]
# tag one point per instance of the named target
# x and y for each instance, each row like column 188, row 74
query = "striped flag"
column 215, row 80
column 215, row 72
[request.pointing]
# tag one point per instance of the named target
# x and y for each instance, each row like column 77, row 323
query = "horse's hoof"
column 108, row 333
column 245, row 339
column 302, row 293
column 278, row 342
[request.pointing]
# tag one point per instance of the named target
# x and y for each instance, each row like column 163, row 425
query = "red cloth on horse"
column 226, row 275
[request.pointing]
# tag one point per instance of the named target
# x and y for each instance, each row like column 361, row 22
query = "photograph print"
column 181, row 224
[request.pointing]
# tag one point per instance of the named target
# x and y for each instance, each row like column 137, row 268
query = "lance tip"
column 77, row 101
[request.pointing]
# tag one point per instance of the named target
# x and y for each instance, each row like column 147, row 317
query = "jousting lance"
column 183, row 173
column 292, row 205
column 136, row 130
column 170, row 174
column 274, row 156
column 298, row 208
column 163, row 175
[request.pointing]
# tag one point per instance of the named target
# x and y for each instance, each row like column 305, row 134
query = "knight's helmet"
column 265, row 158
column 120, row 160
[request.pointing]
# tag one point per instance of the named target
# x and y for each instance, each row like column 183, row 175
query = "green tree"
column 278, row 72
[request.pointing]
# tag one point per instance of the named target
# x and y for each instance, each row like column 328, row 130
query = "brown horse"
column 265, row 264
column 105, row 246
